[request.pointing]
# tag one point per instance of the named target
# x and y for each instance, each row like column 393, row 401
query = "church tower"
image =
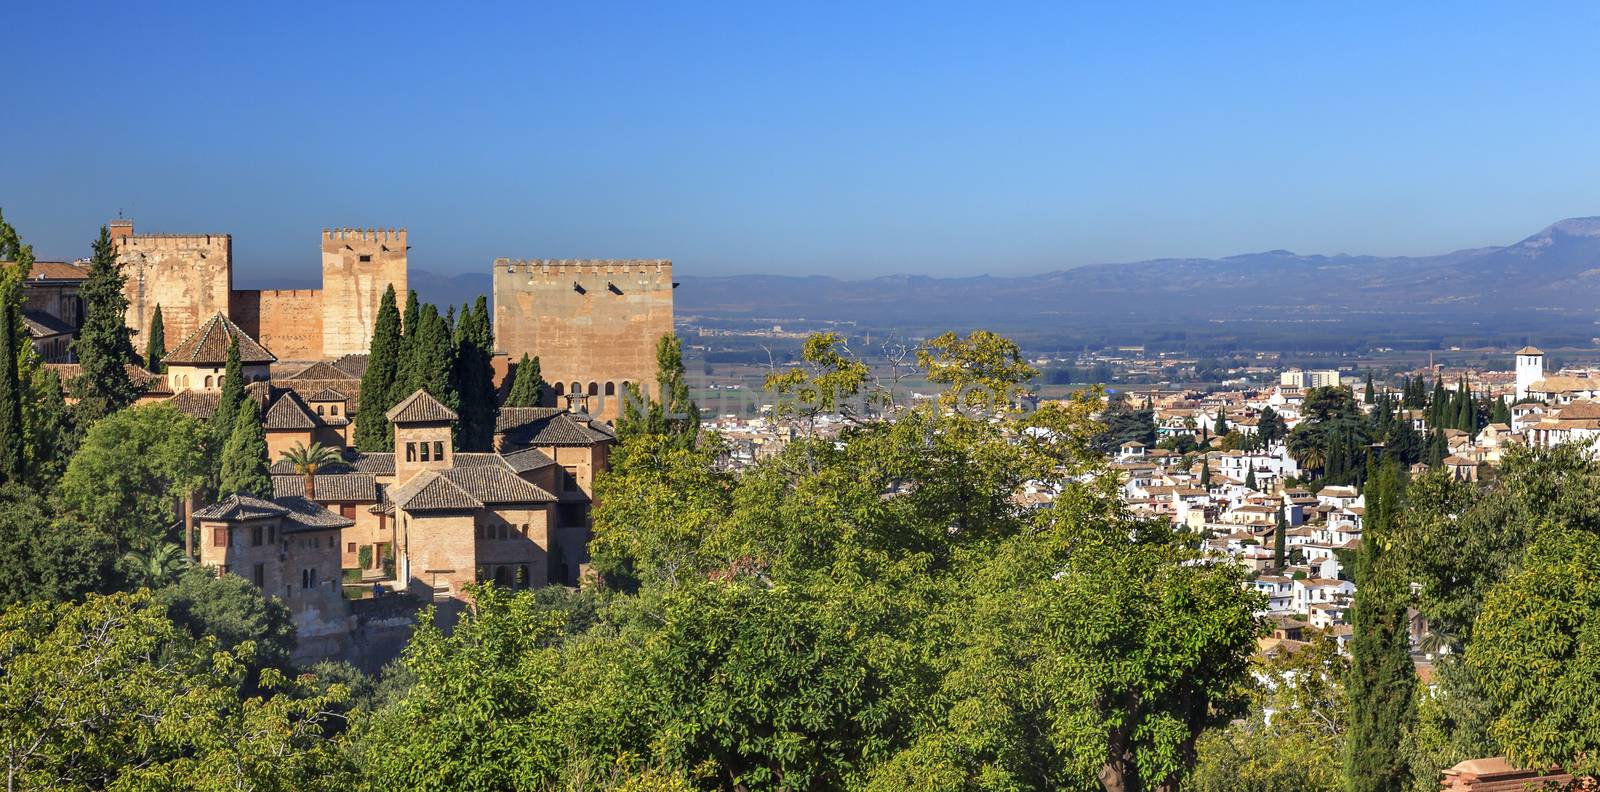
column 1530, row 369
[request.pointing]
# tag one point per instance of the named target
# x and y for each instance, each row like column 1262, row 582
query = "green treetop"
column 527, row 388
column 474, row 378
column 103, row 347
column 429, row 359
column 243, row 469
column 155, row 348
column 1382, row 676
column 378, row 381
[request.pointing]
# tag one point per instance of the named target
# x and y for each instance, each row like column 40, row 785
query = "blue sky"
column 847, row 139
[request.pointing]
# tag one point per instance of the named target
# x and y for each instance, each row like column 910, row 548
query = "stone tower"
column 592, row 323
column 1530, row 369
column 189, row 275
column 357, row 266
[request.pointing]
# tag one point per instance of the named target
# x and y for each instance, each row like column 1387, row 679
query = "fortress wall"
column 288, row 322
column 189, row 275
column 587, row 320
column 357, row 266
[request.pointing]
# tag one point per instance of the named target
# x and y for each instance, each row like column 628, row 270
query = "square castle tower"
column 190, row 276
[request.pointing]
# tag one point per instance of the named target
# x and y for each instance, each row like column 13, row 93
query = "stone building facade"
column 190, row 276
column 592, row 323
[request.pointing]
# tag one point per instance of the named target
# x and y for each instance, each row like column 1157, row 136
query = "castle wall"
column 357, row 266
column 188, row 275
column 588, row 321
column 288, row 322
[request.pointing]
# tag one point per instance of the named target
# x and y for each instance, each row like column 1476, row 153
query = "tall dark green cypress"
column 243, row 468
column 155, row 348
column 11, row 428
column 1367, row 397
column 378, row 381
column 104, row 347
column 1205, row 473
column 411, row 320
column 1250, row 478
column 1382, row 678
column 474, row 378
column 1221, row 426
column 231, row 397
column 528, row 386
column 1280, row 539
column 429, row 360
column 1501, row 413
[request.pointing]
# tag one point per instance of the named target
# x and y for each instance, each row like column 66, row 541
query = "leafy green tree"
column 103, row 347
column 110, row 694
column 155, row 348
column 983, row 370
column 527, row 388
column 1270, row 427
column 131, row 470
column 1382, row 678
column 474, row 378
column 257, row 629
column 378, row 381
column 155, row 566
column 1294, row 733
column 48, row 440
column 243, row 468
column 1124, row 424
column 675, row 414
column 46, row 558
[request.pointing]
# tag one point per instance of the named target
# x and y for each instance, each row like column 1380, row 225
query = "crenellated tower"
column 357, row 266
column 189, row 275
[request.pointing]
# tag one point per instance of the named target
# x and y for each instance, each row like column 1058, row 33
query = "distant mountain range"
column 1552, row 274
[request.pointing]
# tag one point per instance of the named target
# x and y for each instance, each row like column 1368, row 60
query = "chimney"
column 576, row 409
column 119, row 229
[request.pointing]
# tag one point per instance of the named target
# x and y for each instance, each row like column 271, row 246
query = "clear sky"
column 848, row 139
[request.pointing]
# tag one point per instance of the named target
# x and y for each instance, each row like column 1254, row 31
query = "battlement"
column 281, row 293
column 364, row 235
column 173, row 241
column 576, row 266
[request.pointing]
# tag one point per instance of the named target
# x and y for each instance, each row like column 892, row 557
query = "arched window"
column 208, row 380
column 594, row 389
column 559, row 388
column 576, row 389
column 611, row 388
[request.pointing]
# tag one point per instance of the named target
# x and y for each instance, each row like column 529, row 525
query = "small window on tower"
column 366, row 259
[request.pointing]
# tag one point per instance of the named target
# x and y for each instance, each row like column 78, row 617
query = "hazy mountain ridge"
column 1556, row 269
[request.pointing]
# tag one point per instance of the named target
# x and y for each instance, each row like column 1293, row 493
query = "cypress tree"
column 378, row 381
column 1205, row 473
column 1382, row 677
column 682, row 416
column 47, row 439
column 1367, row 397
column 243, row 469
column 231, row 397
column 429, row 360
column 527, row 389
column 411, row 320
column 11, row 428
column 1250, row 478
column 1221, row 427
column 1502, row 412
column 155, row 348
column 474, row 378
column 1280, row 540
column 104, row 347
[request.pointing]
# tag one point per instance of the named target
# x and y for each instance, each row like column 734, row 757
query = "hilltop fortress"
column 593, row 323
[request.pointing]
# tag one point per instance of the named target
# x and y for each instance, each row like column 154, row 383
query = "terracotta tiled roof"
column 43, row 325
column 342, row 487
column 466, row 459
column 235, row 508
column 311, row 516
column 1528, row 350
column 353, row 365
column 150, row 383
column 430, row 491
column 289, row 413
column 327, row 395
column 527, row 459
column 320, row 371
column 208, row 345
column 54, row 270
column 420, row 407
column 547, row 426
column 381, row 464
column 201, row 405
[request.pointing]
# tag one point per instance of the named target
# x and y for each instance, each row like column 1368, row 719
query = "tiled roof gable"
column 208, row 345
column 420, row 407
